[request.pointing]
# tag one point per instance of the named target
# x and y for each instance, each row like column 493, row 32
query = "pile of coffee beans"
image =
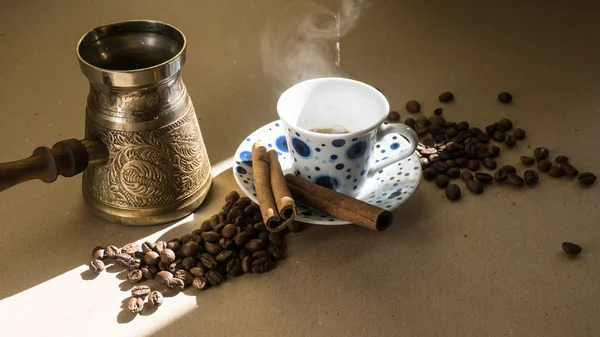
column 229, row 244
column 449, row 150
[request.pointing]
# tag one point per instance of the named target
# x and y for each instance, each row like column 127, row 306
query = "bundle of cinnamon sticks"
column 277, row 195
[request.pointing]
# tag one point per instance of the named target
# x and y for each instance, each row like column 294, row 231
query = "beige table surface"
column 486, row 266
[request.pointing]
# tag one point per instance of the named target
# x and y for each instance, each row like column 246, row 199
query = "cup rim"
column 333, row 135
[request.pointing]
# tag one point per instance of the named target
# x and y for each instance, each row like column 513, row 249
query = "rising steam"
column 301, row 44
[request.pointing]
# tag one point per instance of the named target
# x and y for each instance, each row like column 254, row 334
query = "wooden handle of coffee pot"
column 66, row 158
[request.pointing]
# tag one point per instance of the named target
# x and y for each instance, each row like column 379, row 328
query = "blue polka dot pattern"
column 338, row 143
column 387, row 188
column 301, row 148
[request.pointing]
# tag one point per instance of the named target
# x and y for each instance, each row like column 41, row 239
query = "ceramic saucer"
column 386, row 189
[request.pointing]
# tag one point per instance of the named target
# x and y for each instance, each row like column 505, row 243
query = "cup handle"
column 407, row 134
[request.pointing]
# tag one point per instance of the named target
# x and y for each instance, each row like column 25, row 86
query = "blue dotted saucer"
column 386, row 189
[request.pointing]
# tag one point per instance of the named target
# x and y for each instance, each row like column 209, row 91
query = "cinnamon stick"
column 338, row 205
column 277, row 207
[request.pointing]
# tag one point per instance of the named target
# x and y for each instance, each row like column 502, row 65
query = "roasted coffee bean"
column 569, row 169
column 490, row 163
column 531, row 177
column 506, row 123
column 429, row 174
column 453, row 173
column 482, row 154
column 112, row 251
column 490, row 129
column 234, row 213
column 234, row 267
column 208, row 261
column 200, row 283
column 462, row 162
column 466, row 175
column 151, row 258
column 163, row 266
column 232, row 196
column 483, row 137
column 484, row 178
column 453, row 192
column 493, row 151
column 229, row 231
column 189, row 262
column 262, row 268
column 446, row 97
column 130, row 248
column 515, row 179
column 519, row 133
column 214, row 277
column 571, row 248
column 445, row 155
column 439, row 137
column 251, row 231
column 123, row 259
column 451, row 132
column 413, row 106
column 191, row 248
column 204, row 227
column 541, row 153
column 556, row 171
column 224, row 256
column 473, row 165
column 134, row 276
column 586, row 178
column 429, row 142
column 242, row 253
column 185, row 276
column 241, row 238
column 148, row 246
column 211, row 236
column 176, row 266
column 197, row 271
column 501, row 175
column 410, row 122
column 474, row 186
column 261, row 253
column 438, row 111
column 219, row 227
column 275, row 239
column 226, row 243
column 508, row 169
column 544, row 165
column 421, row 131
column 462, row 126
column 442, row 181
column 149, row 272
column 98, row 253
column 505, row 97
column 97, row 266
column 140, row 291
column 276, row 252
column 247, row 264
column 226, row 208
column 264, row 236
column 160, row 246
column 510, row 141
column 393, row 116
column 167, row 256
column 527, row 160
column 437, row 121
column 212, row 248
column 254, row 245
column 561, row 159
column 215, row 220
column 139, row 255
column 175, row 284
column 175, row 245
column 155, row 299
column 498, row 136
column 135, row 305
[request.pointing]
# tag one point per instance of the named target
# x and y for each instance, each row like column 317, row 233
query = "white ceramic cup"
column 341, row 162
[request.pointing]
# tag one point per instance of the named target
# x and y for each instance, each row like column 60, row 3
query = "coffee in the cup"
column 333, row 130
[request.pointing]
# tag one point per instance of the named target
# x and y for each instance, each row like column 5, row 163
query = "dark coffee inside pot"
column 333, row 130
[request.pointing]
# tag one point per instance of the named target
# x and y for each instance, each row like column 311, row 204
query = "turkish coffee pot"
column 143, row 158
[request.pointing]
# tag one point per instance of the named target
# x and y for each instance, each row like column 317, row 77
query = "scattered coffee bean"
column 541, row 153
column 494, row 151
column 446, row 97
column 413, row 106
column 527, row 160
column 556, row 171
column 462, row 126
column 151, row 258
column 134, row 276
column 112, row 251
column 462, row 161
column 473, row 165
column 135, row 305
column 453, row 192
column 234, row 267
column 229, row 231
column 148, row 246
column 155, row 299
column 484, row 178
column 501, row 175
column 167, row 256
column 438, row 111
column 140, row 291
column 440, row 166
column 162, row 277
column 586, row 178
column 569, row 169
column 393, row 116
column 211, row 236
column 185, row 276
column 175, row 284
column 130, row 248
column 97, row 266
column 453, row 172
column 200, row 283
column 191, row 248
column 123, row 259
column 189, row 262
column 98, row 253
column 515, row 179
column 508, row 169
column 490, row 163
column 442, row 181
column 544, row 165
column 506, row 124
column 429, row 174
column 531, row 177
column 437, row 121
column 561, row 159
column 410, row 122
column 232, row 196
column 571, row 248
column 474, row 186
column 466, row 175
column 214, row 277
column 519, row 133
column 498, row 136
column 510, row 141
column 505, row 97
column 160, row 246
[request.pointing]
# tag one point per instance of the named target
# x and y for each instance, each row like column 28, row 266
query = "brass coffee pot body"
column 143, row 157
